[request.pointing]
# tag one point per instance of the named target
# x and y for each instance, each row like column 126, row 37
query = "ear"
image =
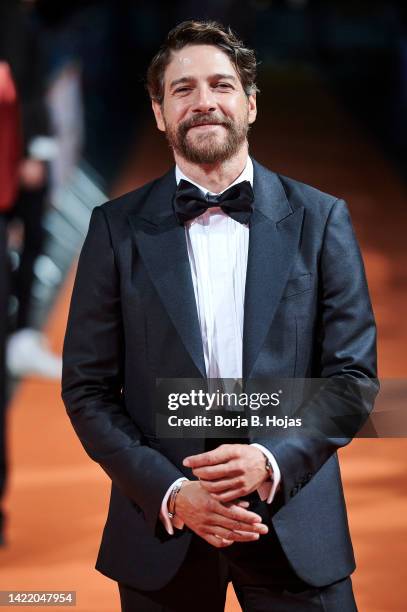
column 157, row 110
column 252, row 108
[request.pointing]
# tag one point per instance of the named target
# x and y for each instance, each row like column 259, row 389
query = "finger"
column 231, row 525
column 218, row 455
column 234, row 536
column 230, row 495
column 221, row 486
column 235, row 512
column 243, row 504
column 246, row 534
column 217, row 542
column 221, row 470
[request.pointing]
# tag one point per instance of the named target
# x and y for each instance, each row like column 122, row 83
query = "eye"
column 182, row 89
column 222, row 85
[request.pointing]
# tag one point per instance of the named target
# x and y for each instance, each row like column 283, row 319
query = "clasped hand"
column 212, row 507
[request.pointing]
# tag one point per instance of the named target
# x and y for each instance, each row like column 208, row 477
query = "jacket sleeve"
column 345, row 355
column 92, row 379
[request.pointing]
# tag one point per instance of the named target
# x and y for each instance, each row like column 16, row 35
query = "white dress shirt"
column 217, row 250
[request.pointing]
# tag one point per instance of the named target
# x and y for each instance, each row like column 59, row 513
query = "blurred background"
column 76, row 129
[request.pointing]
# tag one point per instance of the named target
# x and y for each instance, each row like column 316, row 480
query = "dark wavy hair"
column 193, row 32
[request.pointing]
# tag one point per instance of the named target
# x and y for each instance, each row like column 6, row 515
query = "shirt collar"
column 246, row 175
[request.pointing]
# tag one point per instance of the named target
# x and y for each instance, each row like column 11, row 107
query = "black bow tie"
column 235, row 201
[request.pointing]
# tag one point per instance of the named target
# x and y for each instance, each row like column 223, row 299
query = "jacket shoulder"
column 293, row 194
column 126, row 203
column 310, row 197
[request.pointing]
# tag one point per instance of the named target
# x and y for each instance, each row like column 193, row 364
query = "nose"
column 204, row 101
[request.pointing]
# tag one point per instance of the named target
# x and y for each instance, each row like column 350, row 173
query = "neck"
column 214, row 177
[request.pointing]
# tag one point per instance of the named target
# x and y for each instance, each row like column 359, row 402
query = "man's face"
column 205, row 113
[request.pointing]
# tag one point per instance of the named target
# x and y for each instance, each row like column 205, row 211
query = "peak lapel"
column 274, row 237
column 162, row 246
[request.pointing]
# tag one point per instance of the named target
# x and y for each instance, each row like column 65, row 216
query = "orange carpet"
column 57, row 498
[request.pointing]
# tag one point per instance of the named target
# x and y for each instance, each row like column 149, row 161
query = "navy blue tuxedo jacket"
column 133, row 319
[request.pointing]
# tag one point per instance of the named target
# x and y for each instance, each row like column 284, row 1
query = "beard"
column 207, row 147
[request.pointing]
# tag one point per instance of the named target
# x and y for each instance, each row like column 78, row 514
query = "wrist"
column 263, row 464
column 172, row 505
column 172, row 499
column 269, row 469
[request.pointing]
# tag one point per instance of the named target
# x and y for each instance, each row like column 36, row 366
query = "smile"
column 204, row 126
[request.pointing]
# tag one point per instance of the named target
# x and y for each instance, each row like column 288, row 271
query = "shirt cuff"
column 268, row 489
column 168, row 523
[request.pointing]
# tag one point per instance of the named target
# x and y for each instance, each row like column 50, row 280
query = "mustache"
column 204, row 118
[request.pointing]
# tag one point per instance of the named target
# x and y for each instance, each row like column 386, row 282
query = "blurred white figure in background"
column 28, row 354
column 64, row 100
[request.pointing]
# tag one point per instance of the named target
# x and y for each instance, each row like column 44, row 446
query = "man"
column 173, row 283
